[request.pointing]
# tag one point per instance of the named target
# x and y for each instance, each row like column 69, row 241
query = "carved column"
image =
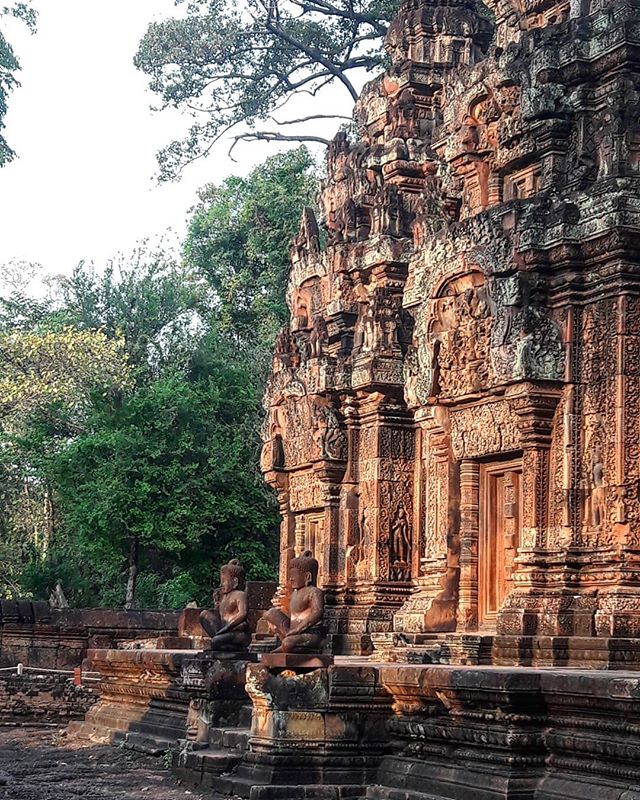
column 535, row 412
column 532, row 607
column 331, row 544
column 299, row 534
column 469, row 532
column 280, row 482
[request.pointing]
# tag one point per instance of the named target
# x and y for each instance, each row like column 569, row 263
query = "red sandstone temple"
column 453, row 416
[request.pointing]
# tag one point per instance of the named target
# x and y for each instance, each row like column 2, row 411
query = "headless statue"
column 302, row 632
column 227, row 623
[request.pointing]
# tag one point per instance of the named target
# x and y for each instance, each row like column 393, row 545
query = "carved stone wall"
column 475, row 301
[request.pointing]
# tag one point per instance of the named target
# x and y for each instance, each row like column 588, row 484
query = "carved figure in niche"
column 319, row 336
column 401, row 547
column 286, row 350
column 329, row 438
column 335, row 224
column 334, row 441
column 301, row 313
column 350, row 220
column 307, row 242
column 390, row 320
column 597, row 495
column 368, row 329
column 411, row 371
column 468, row 137
column 272, row 455
column 388, row 216
column 227, row 623
column 344, row 289
column 302, row 632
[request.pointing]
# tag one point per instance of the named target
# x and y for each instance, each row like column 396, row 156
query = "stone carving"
column 319, row 337
column 57, row 598
column 302, row 630
column 227, row 623
column 400, row 547
column 474, row 296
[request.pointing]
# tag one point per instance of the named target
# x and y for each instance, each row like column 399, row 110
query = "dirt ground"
column 42, row 764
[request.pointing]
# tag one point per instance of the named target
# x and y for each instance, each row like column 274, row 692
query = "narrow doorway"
column 500, row 526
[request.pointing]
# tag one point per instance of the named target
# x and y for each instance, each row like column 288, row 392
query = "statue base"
column 296, row 661
column 228, row 655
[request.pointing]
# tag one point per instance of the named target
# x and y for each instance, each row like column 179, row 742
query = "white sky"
column 83, row 184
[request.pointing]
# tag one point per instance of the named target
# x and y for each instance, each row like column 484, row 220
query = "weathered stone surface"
column 48, row 698
column 510, row 733
column 452, row 416
column 295, row 661
column 318, row 735
column 141, row 701
column 33, row 633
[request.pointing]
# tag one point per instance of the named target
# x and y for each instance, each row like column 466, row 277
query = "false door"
column 500, row 521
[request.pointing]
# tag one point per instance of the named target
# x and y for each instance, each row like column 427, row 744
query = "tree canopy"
column 130, row 407
column 233, row 66
column 239, row 237
column 9, row 66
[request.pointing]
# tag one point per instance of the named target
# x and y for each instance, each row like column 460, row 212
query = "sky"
column 83, row 186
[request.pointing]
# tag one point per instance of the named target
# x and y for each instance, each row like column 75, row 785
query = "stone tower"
column 453, row 417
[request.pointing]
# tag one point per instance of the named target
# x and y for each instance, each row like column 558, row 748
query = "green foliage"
column 237, row 65
column 169, row 466
column 9, row 66
column 40, row 370
column 158, row 443
column 239, row 238
column 147, row 299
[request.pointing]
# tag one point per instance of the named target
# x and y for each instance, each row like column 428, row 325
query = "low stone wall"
column 34, row 634
column 49, row 698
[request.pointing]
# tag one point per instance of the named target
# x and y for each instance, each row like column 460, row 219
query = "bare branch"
column 308, row 119
column 312, row 52
column 271, row 136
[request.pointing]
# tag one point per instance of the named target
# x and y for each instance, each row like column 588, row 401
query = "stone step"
column 230, row 738
column 199, row 767
column 245, row 717
column 227, row 786
column 143, row 743
column 386, row 793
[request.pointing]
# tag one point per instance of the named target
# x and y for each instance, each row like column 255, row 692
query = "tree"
column 146, row 298
column 239, row 238
column 9, row 66
column 233, row 65
column 46, row 382
column 54, row 369
column 172, row 469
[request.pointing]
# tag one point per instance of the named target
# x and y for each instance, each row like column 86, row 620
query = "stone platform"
column 155, row 700
column 142, row 703
column 371, row 730
column 418, row 732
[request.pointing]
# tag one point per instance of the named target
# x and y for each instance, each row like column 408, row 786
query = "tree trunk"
column 132, row 573
column 48, row 522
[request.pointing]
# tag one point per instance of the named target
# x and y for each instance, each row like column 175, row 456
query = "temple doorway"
column 499, row 535
column 314, row 537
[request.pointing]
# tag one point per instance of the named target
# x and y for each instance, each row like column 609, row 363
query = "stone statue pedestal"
column 296, row 661
column 223, row 655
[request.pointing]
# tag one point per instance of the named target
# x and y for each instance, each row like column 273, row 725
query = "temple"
column 453, row 415
column 452, row 428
